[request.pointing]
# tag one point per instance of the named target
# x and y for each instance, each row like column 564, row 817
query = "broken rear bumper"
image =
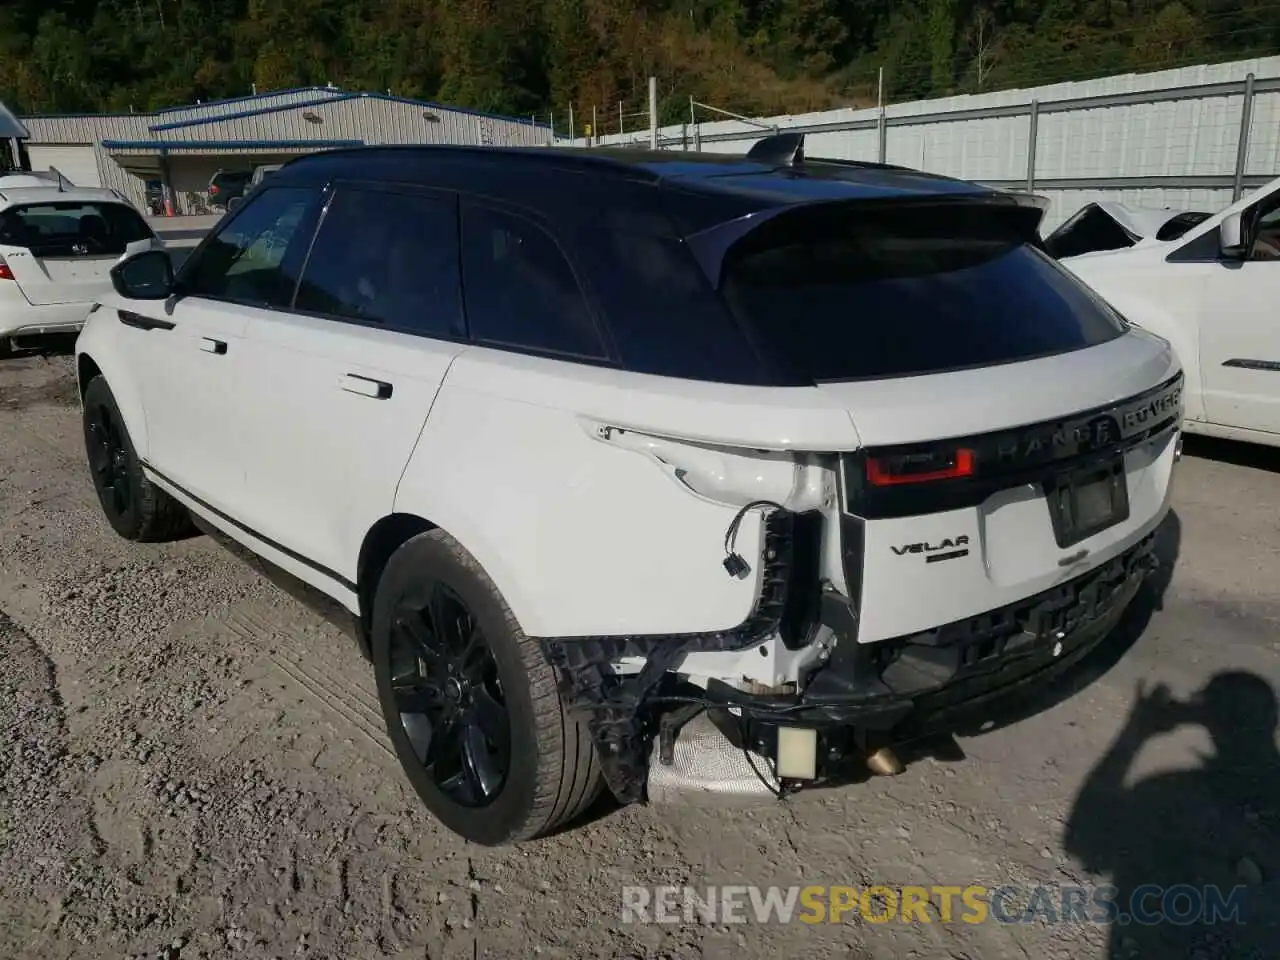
column 931, row 681
column 890, row 691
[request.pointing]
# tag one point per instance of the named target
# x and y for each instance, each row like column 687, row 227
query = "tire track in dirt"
column 342, row 685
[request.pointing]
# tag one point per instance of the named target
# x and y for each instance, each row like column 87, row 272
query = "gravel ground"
column 192, row 765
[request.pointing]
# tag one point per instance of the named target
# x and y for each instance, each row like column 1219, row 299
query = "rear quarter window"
column 661, row 309
column 856, row 293
column 67, row 229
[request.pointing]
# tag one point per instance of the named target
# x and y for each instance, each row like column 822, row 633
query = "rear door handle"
column 354, row 383
column 131, row 319
column 210, row 345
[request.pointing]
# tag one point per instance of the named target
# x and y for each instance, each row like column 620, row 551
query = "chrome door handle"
column 210, row 345
column 365, row 386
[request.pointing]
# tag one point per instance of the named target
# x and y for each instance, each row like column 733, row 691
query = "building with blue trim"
column 182, row 147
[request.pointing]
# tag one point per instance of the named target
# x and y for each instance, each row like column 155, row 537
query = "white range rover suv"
column 58, row 243
column 587, row 443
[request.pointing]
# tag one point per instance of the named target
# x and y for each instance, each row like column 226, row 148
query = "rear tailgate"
column 50, row 280
column 1015, row 432
column 63, row 251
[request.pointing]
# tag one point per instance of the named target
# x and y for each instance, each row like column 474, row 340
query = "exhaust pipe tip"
column 884, row 762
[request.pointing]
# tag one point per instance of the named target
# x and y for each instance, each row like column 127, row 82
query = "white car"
column 1211, row 292
column 1108, row 225
column 58, row 244
column 585, row 442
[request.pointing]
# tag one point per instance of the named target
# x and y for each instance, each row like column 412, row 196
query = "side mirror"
column 144, row 276
column 1231, row 241
column 233, row 203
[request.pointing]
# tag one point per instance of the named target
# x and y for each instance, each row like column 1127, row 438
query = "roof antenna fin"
column 781, row 149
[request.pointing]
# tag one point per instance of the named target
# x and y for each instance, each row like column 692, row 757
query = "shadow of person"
column 1179, row 846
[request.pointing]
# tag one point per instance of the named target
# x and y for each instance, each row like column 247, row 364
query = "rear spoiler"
column 711, row 245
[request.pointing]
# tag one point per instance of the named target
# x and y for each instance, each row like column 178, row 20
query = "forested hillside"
column 539, row 56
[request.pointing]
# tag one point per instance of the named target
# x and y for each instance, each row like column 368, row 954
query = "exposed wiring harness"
column 734, row 563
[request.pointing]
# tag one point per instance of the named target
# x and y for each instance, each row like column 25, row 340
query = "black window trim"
column 611, row 358
column 310, row 221
column 330, row 191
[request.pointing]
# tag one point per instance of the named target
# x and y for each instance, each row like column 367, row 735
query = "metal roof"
column 246, row 98
column 334, row 98
column 10, row 126
column 165, row 146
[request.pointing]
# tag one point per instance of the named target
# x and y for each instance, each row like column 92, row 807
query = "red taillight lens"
column 212, row 189
column 921, row 467
column 5, row 272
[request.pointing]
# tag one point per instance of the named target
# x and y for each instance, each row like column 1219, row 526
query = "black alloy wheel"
column 472, row 707
column 449, row 698
column 109, row 458
column 134, row 506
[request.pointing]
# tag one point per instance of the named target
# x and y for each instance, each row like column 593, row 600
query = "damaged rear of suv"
column 680, row 473
column 977, row 525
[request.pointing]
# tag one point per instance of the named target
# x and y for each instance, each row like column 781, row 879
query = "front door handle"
column 354, row 383
column 210, row 345
column 131, row 319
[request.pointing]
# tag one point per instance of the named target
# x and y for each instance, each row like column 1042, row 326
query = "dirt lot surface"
column 192, row 765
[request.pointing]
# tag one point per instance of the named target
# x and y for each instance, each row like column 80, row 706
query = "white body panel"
column 915, row 409
column 194, row 399
column 323, row 466
column 1220, row 317
column 586, row 537
column 77, row 162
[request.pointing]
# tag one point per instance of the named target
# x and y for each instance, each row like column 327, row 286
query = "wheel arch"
column 382, row 539
column 92, row 363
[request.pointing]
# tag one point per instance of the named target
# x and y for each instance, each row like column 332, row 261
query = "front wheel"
column 471, row 706
column 134, row 506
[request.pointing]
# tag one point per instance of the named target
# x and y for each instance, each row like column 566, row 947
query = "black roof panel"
column 808, row 181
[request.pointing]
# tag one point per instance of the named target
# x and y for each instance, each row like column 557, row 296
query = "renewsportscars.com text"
column 1182, row 905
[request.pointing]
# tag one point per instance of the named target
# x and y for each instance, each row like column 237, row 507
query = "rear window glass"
column 850, row 294
column 70, row 229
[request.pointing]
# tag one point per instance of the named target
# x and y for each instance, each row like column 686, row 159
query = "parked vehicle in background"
column 260, row 173
column 1211, row 290
column 1108, row 225
column 226, row 185
column 595, row 446
column 57, row 247
column 155, row 198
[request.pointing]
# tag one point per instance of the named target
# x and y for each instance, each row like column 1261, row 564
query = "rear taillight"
column 5, row 272
column 212, row 189
column 896, row 469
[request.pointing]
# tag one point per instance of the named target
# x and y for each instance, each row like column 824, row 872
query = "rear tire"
column 134, row 506
column 472, row 708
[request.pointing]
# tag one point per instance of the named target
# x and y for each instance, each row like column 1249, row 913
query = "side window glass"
column 662, row 313
column 520, row 290
column 1266, row 236
column 389, row 258
column 245, row 261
